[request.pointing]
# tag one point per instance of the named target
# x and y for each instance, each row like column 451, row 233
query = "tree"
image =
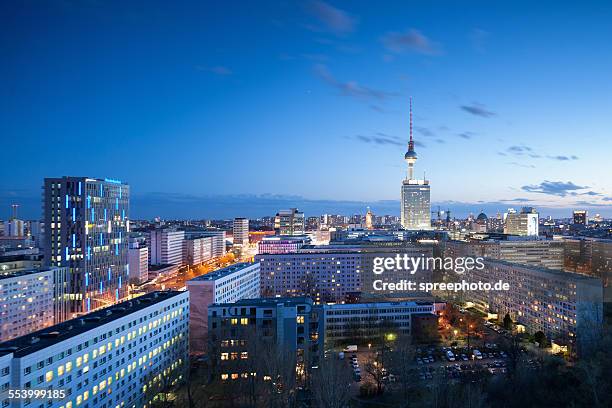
column 508, row 322
column 330, row 383
column 401, row 362
column 541, row 339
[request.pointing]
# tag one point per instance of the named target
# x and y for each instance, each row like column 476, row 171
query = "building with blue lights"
column 87, row 226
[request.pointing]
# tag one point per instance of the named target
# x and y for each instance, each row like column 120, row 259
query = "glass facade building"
column 87, row 231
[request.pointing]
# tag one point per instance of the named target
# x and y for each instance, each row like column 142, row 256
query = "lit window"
column 244, row 321
column 49, row 376
column 300, row 319
column 234, row 376
column 224, row 356
column 224, row 376
column 244, row 355
column 234, row 321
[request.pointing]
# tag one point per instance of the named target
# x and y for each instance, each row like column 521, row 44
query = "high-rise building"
column 166, row 246
column 581, row 217
column 227, row 285
column 31, row 299
column 218, row 241
column 197, row 250
column 86, row 230
column 241, row 232
column 123, row 355
column 138, row 258
column 525, row 223
column 14, row 227
column 415, row 203
column 289, row 222
column 369, row 219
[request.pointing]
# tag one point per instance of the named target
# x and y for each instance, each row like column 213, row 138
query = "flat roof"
column 220, row 273
column 23, row 272
column 265, row 302
column 41, row 339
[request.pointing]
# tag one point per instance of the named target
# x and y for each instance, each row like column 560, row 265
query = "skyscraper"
column 525, row 223
column 289, row 222
column 87, row 225
column 241, row 232
column 581, row 217
column 415, row 206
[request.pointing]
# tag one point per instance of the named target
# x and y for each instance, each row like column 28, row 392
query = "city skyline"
column 327, row 80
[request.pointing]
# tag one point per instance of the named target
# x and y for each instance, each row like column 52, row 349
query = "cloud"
column 217, row 69
column 563, row 158
column 519, row 150
column 527, row 166
column 556, row 188
column 410, row 40
column 381, row 139
column 350, row 88
column 477, row 109
column 607, row 199
column 332, row 18
column 424, row 131
column 466, row 135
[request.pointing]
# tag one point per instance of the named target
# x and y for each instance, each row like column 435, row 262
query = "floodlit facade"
column 86, row 230
column 123, row 355
column 525, row 223
column 138, row 258
column 281, row 244
column 31, row 300
column 197, row 250
column 227, row 285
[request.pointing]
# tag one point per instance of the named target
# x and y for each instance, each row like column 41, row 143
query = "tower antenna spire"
column 411, row 142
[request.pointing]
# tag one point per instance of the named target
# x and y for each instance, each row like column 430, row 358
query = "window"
column 300, row 319
column 244, row 321
column 49, row 376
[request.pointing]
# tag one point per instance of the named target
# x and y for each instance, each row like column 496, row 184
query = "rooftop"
column 39, row 340
column 220, row 273
column 23, row 272
column 555, row 272
column 267, row 302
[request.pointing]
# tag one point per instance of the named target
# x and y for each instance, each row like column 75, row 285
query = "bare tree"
column 331, row 382
column 401, row 362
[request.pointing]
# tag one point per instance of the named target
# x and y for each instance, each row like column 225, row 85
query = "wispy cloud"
column 556, row 188
column 331, row 18
column 380, row 139
column 563, row 158
column 527, row 166
column 478, row 109
column 411, row 40
column 466, row 135
column 350, row 88
column 424, row 131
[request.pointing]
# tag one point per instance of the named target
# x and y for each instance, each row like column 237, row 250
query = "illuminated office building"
column 86, row 230
column 415, row 202
column 525, row 223
column 289, row 222
column 581, row 217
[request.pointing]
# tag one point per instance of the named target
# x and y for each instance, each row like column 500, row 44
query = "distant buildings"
column 415, row 206
column 289, row 222
column 217, row 244
column 166, row 246
column 581, row 217
column 197, row 250
column 30, row 299
column 565, row 306
column 590, row 256
column 240, row 231
column 250, row 337
column 227, row 285
column 281, row 244
column 525, row 223
column 369, row 219
column 121, row 355
column 86, row 230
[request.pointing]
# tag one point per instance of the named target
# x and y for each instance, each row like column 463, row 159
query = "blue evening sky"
column 230, row 108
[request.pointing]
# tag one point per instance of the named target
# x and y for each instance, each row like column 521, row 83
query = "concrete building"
column 138, row 259
column 590, row 256
column 368, row 322
column 289, row 222
column 330, row 272
column 277, row 244
column 415, row 206
column 218, row 242
column 566, row 306
column 86, row 230
column 123, row 355
column 14, row 228
column 166, row 246
column 227, row 285
column 31, row 299
column 197, row 250
column 538, row 252
column 240, row 231
column 525, row 223
column 244, row 333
